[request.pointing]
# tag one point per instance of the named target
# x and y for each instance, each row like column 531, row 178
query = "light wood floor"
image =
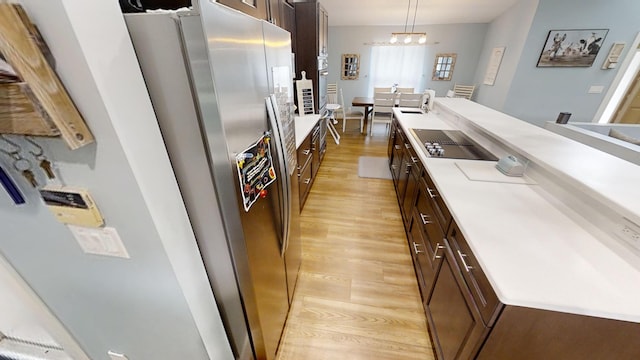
column 357, row 296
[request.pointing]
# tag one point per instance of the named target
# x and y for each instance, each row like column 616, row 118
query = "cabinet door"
column 482, row 291
column 392, row 139
column 255, row 8
column 396, row 163
column 454, row 322
column 323, row 31
column 424, row 271
column 409, row 200
column 288, row 22
column 315, row 150
column 433, row 235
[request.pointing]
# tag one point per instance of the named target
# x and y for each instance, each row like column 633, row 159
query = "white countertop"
column 304, row 124
column 534, row 253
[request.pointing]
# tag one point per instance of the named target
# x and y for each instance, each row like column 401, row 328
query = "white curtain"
column 401, row 65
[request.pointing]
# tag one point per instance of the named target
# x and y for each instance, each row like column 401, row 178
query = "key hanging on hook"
column 45, row 164
column 21, row 164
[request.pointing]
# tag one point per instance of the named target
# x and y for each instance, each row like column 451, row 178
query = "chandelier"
column 408, row 36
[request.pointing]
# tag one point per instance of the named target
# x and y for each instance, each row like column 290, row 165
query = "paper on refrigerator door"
column 255, row 170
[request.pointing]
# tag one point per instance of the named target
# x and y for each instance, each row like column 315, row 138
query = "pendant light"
column 408, row 36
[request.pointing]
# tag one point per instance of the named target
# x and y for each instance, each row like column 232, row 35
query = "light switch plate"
column 116, row 356
column 596, row 89
column 99, row 241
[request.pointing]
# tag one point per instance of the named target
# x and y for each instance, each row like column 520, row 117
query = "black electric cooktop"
column 451, row 144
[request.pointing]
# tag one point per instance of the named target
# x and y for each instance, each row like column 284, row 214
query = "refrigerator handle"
column 286, row 189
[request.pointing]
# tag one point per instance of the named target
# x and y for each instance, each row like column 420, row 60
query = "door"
column 629, row 110
column 454, row 322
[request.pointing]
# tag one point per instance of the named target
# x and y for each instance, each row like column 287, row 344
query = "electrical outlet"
column 630, row 232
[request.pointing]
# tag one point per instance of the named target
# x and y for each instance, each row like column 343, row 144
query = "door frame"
column 620, row 84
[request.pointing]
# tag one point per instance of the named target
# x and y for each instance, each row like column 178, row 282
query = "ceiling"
column 394, row 12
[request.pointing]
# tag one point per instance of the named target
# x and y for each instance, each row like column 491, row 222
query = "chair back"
column 464, row 91
column 384, row 99
column 410, row 100
column 332, row 93
column 381, row 90
column 405, row 90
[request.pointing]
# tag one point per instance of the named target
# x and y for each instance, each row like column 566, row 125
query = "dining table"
column 367, row 104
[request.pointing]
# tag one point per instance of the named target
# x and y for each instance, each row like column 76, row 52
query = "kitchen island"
column 534, row 263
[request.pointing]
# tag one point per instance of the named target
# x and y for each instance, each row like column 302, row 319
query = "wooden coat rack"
column 34, row 101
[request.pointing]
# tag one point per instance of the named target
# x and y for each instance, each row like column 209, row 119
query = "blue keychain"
column 11, row 187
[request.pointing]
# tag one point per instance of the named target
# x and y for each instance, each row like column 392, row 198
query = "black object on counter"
column 563, row 118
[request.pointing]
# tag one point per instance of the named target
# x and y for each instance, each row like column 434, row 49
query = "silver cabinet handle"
column 431, row 192
column 425, row 219
column 306, row 152
column 414, row 159
column 464, row 263
column 397, row 147
column 307, row 181
column 415, row 248
column 394, row 167
column 406, row 145
column 408, row 168
column 435, row 253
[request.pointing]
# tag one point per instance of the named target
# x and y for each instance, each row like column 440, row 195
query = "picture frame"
column 571, row 48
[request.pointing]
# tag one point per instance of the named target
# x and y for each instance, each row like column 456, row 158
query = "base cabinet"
column 466, row 319
column 456, row 326
column 310, row 155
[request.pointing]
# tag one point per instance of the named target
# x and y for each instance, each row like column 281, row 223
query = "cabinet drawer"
column 432, row 230
column 485, row 298
column 304, row 153
column 439, row 207
column 305, row 179
column 425, row 268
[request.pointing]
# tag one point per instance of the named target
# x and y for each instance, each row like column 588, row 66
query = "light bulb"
column 407, row 39
column 423, row 39
column 394, row 38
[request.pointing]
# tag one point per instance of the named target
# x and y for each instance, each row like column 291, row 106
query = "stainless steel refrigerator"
column 221, row 84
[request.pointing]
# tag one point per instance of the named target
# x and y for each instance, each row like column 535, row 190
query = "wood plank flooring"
column 357, row 296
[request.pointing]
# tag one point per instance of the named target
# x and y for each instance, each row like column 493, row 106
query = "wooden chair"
column 403, row 90
column 332, row 93
column 464, row 91
column 382, row 109
column 348, row 114
column 381, row 90
column 410, row 100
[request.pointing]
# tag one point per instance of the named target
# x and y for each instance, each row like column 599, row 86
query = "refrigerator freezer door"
column 236, row 55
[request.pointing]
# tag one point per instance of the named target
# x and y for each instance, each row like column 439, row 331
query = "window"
column 400, row 65
column 443, row 67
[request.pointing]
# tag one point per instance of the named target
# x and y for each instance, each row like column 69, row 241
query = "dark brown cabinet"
column 310, row 155
column 311, row 47
column 455, row 323
column 466, row 318
column 255, row 8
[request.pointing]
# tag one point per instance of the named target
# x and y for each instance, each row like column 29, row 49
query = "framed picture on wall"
column 571, row 48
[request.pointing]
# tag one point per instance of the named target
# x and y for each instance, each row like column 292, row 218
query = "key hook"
column 40, row 152
column 15, row 154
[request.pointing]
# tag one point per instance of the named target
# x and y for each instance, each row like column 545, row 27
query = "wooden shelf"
column 38, row 104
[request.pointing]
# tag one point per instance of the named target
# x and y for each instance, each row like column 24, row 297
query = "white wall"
column 464, row 39
column 537, row 95
column 157, row 304
column 510, row 30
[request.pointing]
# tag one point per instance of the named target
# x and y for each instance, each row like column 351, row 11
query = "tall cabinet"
column 311, row 49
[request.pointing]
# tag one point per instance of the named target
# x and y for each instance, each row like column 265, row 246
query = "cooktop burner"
column 452, row 144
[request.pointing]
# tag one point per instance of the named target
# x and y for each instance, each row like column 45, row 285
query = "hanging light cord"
column 414, row 16
column 406, row 21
